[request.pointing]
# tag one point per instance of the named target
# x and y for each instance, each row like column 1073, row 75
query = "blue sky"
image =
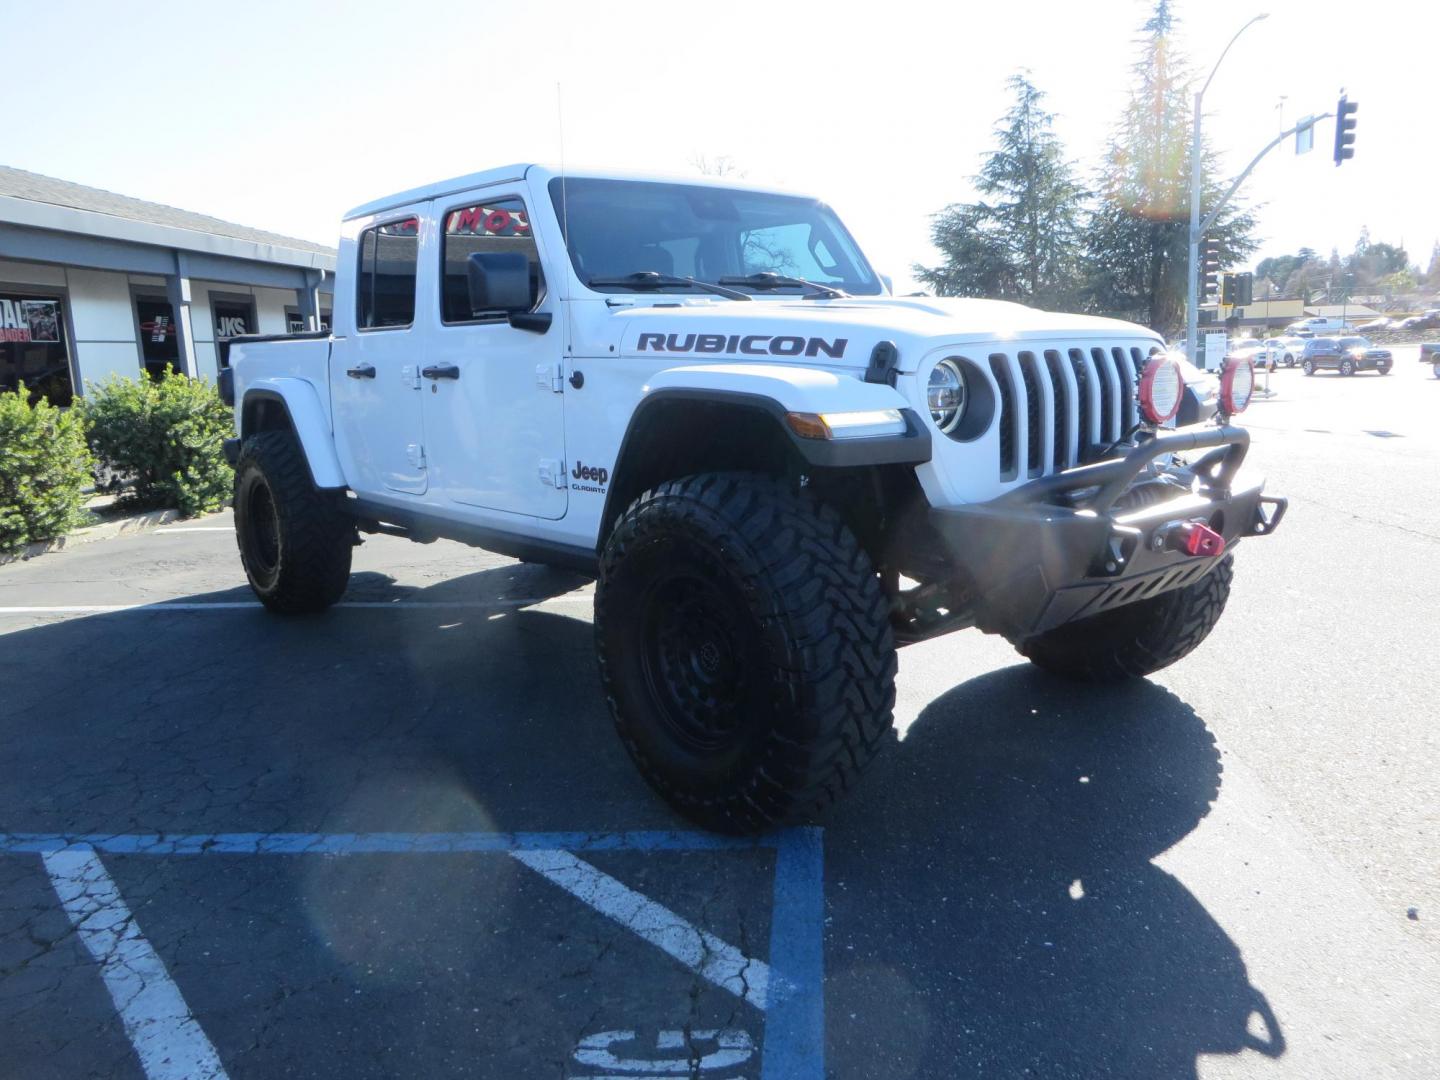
column 283, row 115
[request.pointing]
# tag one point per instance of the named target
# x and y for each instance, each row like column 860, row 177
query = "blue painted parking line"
column 793, row 1047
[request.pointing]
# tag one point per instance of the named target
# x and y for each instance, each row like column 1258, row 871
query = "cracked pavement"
column 1207, row 874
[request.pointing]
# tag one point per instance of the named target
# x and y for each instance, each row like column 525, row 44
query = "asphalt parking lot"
column 400, row 839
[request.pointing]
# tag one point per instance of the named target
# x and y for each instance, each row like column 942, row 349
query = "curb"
column 106, row 530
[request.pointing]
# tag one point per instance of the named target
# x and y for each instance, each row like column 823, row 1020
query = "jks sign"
column 29, row 320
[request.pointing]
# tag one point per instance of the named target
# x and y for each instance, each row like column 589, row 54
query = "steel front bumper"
column 1081, row 542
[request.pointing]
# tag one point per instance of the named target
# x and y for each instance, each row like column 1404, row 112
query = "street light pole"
column 1192, row 300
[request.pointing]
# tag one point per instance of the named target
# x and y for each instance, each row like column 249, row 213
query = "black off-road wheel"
column 295, row 541
column 745, row 649
column 1137, row 639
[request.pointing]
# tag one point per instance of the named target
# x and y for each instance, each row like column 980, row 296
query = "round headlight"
column 1236, row 385
column 1161, row 387
column 946, row 395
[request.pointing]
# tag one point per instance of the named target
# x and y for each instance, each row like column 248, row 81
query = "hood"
column 835, row 333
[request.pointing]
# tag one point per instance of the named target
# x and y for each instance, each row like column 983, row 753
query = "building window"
column 159, row 342
column 33, row 348
column 232, row 318
column 389, row 255
column 295, row 321
column 502, row 225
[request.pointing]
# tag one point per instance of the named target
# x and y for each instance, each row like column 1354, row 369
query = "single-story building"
column 1261, row 313
column 93, row 283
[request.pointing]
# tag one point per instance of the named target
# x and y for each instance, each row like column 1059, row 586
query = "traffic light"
column 1227, row 289
column 1345, row 130
column 1209, row 268
column 1244, row 289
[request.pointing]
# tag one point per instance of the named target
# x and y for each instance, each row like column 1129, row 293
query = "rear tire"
column 295, row 541
column 1437, row 369
column 1136, row 639
column 745, row 649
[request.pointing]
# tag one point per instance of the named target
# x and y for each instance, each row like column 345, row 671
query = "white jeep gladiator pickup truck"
column 704, row 396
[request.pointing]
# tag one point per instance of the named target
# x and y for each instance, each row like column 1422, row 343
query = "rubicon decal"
column 745, row 344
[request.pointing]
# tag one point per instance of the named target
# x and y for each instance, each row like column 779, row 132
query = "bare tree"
column 722, row 165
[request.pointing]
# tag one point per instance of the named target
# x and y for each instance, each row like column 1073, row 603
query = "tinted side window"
column 499, row 225
column 389, row 254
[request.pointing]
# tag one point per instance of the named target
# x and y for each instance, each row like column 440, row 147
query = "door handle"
column 361, row 371
column 441, row 371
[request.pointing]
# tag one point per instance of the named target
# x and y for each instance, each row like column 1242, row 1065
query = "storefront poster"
column 33, row 349
column 29, row 321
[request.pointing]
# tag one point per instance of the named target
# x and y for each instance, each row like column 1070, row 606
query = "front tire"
column 745, row 649
column 1347, row 367
column 1308, row 367
column 1137, row 639
column 295, row 542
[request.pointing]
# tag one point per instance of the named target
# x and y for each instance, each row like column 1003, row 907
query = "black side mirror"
column 499, row 283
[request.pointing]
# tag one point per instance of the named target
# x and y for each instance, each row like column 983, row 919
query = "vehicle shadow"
column 1002, row 915
column 991, row 903
column 461, row 708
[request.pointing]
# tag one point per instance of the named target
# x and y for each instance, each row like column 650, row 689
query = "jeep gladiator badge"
column 591, row 477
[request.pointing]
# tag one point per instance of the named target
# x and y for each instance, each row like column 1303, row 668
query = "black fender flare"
column 913, row 447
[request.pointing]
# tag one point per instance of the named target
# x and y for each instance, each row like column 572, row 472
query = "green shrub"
column 44, row 468
column 165, row 436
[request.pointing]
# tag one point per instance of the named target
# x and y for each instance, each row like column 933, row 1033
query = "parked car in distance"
column 1317, row 324
column 1430, row 354
column 1426, row 320
column 1257, row 352
column 1294, row 345
column 1373, row 325
column 1283, row 351
column 1346, row 355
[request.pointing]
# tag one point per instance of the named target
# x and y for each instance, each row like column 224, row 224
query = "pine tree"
column 1021, row 241
column 1138, row 242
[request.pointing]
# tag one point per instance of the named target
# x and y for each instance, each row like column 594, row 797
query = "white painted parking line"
column 788, row 988
column 157, row 1021
column 699, row 950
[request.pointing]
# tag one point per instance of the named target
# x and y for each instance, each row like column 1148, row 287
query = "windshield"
column 621, row 227
column 1354, row 343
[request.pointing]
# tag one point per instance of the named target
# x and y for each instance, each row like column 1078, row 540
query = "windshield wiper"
column 643, row 280
column 768, row 279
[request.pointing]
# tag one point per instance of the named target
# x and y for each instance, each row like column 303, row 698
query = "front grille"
column 1082, row 408
column 1000, row 368
column 1034, row 463
column 1061, row 407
